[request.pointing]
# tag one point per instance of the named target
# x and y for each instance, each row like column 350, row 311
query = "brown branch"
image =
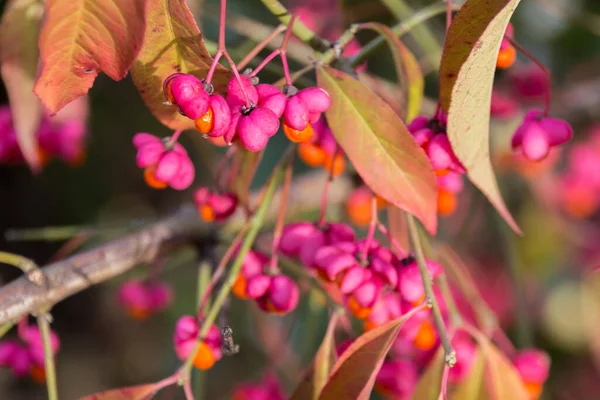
column 74, row 274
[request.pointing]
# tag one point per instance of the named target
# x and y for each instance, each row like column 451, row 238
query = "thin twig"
column 44, row 325
column 449, row 353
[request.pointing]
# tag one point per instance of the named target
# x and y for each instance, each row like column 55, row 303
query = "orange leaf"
column 466, row 79
column 173, row 43
column 353, row 375
column 81, row 38
column 141, row 392
column 380, row 147
column 19, row 31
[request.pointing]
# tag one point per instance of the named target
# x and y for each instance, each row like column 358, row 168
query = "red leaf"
column 173, row 43
column 380, row 147
column 466, row 79
column 141, row 392
column 354, row 374
column 19, row 31
column 81, row 38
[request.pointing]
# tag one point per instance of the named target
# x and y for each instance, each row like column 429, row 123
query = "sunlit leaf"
column 310, row 387
column 19, row 31
column 385, row 89
column 502, row 381
column 353, row 375
column 407, row 68
column 471, row 386
column 466, row 79
column 380, row 147
column 80, row 39
column 141, row 392
column 173, row 43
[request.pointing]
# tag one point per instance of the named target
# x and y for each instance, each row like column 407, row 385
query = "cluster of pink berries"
column 268, row 388
column 272, row 291
column 185, row 339
column 25, row 355
column 377, row 285
column 539, row 133
column 214, row 206
column 64, row 140
column 250, row 113
column 143, row 298
column 430, row 134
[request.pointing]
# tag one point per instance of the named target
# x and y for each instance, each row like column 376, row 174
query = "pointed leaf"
column 466, row 79
column 470, row 387
column 311, row 385
column 407, row 68
column 430, row 382
column 353, row 375
column 502, row 381
column 173, row 43
column 387, row 90
column 19, row 31
column 141, row 392
column 380, row 147
column 81, row 38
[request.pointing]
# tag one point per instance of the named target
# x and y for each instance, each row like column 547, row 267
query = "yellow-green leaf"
column 380, row 146
column 407, row 67
column 19, row 54
column 466, row 79
column 173, row 43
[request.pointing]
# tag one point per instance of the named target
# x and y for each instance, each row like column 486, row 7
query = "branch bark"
column 74, row 274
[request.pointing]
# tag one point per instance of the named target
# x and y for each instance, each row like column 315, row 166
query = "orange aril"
column 139, row 313
column 357, row 309
column 359, row 210
column 426, row 336
column 239, row 287
column 534, row 389
column 151, row 179
column 312, row 154
column 335, row 165
column 297, row 136
column 207, row 213
column 38, row 374
column 446, row 202
column 205, row 123
column 204, row 358
column 506, row 58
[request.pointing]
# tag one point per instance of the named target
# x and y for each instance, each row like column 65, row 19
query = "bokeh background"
column 102, row 347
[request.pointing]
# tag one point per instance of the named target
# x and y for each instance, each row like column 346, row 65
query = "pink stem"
column 444, row 386
column 383, row 229
column 171, row 380
column 286, row 69
column 539, row 64
column 223, row 163
column 213, row 66
column 249, row 104
column 221, row 267
column 284, row 44
column 267, row 60
column 254, row 52
column 371, row 232
column 448, row 14
column 187, row 389
column 176, row 135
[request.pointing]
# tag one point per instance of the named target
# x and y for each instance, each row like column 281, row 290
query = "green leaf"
column 466, row 79
column 353, row 375
column 80, row 39
column 141, row 392
column 429, row 385
column 407, row 68
column 19, row 54
column 173, row 43
column 380, row 147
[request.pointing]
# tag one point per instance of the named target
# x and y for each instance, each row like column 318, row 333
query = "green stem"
column 401, row 29
column 24, row 264
column 422, row 34
column 204, row 274
column 299, row 30
column 450, row 354
column 455, row 318
column 255, row 225
column 44, row 326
